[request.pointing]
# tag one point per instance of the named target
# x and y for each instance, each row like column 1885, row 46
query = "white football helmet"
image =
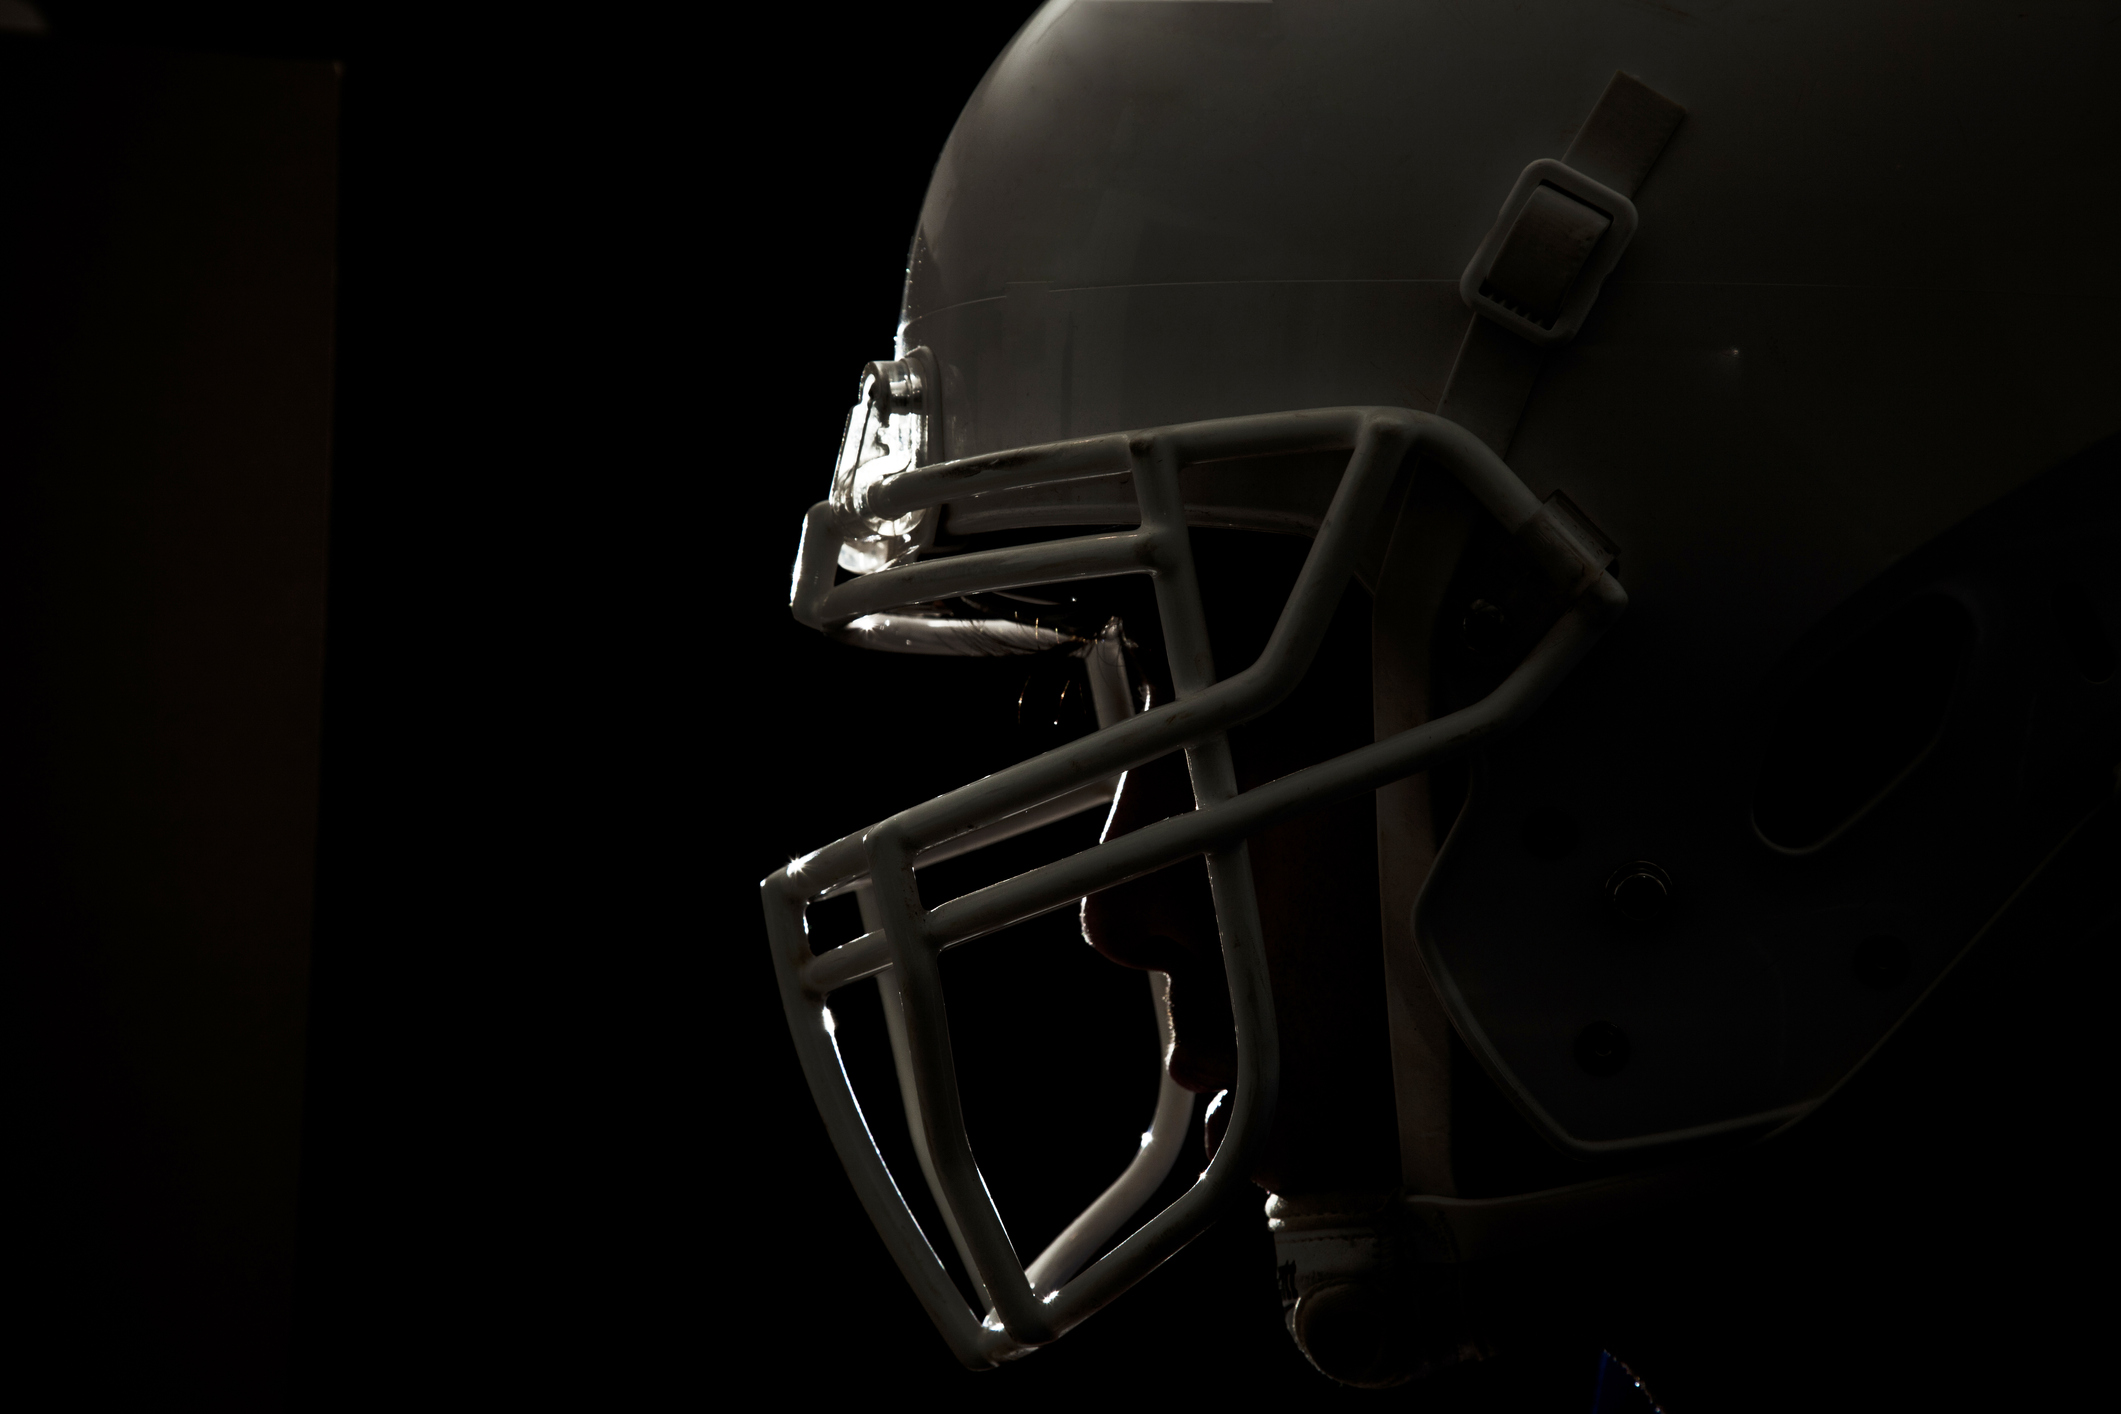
column 1494, row 304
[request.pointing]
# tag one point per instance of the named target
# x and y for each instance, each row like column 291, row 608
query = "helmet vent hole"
column 1858, row 725
column 2083, row 633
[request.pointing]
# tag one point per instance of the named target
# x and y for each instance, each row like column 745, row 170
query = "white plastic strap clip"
column 1540, row 268
column 1538, row 272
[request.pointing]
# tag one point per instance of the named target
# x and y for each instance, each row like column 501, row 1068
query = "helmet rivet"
column 1602, row 1048
column 1641, row 892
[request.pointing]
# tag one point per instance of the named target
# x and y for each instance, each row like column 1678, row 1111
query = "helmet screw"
column 1641, row 892
column 1602, row 1048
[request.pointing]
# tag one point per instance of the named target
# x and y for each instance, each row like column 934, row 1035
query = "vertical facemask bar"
column 1161, row 1143
column 1365, row 484
column 810, row 1026
column 910, row 1094
column 963, row 1189
column 1116, row 701
column 1214, row 777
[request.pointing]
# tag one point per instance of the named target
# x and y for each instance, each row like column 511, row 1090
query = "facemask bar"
column 907, row 938
column 1115, row 700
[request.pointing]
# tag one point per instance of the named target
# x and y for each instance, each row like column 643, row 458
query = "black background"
column 503, row 1189
column 607, row 277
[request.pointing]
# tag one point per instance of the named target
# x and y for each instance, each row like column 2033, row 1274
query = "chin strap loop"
column 1539, row 270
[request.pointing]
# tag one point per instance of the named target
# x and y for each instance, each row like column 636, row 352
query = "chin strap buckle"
column 1537, row 274
column 1540, row 268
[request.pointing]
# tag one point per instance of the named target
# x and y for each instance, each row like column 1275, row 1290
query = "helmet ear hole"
column 1862, row 720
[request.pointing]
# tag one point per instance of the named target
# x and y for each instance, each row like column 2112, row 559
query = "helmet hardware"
column 1641, row 892
column 1557, row 238
column 1602, row 1049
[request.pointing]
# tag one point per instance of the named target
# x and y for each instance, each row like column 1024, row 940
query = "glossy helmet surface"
column 1827, row 364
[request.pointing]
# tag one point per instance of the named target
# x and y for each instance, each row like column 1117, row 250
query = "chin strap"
column 1539, row 270
column 1530, row 284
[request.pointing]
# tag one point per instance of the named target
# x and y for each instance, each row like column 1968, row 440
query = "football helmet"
column 1501, row 308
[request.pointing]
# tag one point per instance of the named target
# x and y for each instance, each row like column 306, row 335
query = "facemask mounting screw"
column 1641, row 892
column 1602, row 1048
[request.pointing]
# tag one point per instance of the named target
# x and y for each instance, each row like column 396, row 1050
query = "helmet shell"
column 1871, row 295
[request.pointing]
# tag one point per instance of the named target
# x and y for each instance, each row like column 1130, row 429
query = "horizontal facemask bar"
column 911, row 936
column 1551, row 535
column 1114, row 699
